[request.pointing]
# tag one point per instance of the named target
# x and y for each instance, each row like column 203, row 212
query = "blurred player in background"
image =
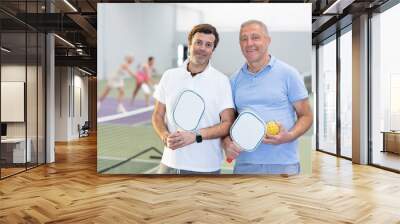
column 116, row 81
column 144, row 80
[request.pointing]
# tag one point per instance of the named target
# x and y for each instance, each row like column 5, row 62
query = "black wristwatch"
column 199, row 138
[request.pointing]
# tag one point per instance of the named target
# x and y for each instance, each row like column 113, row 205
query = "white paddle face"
column 188, row 110
column 248, row 131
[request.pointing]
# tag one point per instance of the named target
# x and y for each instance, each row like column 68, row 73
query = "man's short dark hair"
column 150, row 58
column 204, row 28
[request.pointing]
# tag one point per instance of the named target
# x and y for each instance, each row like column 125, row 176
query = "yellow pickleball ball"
column 272, row 128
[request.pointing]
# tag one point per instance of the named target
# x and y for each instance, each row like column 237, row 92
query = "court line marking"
column 152, row 170
column 123, row 115
column 130, row 158
column 141, row 123
column 122, row 159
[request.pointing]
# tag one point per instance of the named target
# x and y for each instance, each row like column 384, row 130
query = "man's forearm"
column 303, row 123
column 159, row 126
column 217, row 131
column 222, row 129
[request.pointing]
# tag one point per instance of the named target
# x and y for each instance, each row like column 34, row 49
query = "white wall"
column 157, row 29
column 67, row 115
column 80, row 103
column 292, row 47
column 14, row 73
column 228, row 16
column 130, row 29
column 61, row 103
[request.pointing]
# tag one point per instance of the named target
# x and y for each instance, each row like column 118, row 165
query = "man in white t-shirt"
column 198, row 152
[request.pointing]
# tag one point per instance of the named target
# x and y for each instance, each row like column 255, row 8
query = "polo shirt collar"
column 266, row 68
column 185, row 63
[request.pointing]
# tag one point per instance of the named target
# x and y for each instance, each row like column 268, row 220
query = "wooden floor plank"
column 70, row 191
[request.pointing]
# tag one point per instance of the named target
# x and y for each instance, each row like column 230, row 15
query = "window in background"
column 22, row 66
column 14, row 151
column 385, row 89
column 327, row 96
column 346, row 94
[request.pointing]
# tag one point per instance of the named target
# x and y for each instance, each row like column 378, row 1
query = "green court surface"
column 130, row 149
column 133, row 150
column 131, row 167
column 117, row 143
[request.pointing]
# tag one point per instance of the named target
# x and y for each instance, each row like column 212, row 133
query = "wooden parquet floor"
column 70, row 191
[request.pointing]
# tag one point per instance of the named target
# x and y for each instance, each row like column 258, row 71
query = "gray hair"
column 258, row 22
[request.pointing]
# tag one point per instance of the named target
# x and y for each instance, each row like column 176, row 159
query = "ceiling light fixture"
column 337, row 7
column 65, row 41
column 84, row 71
column 5, row 50
column 70, row 5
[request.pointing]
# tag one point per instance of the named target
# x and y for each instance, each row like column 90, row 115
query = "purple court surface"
column 109, row 107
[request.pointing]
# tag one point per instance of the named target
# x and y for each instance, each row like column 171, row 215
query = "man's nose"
column 249, row 41
column 202, row 47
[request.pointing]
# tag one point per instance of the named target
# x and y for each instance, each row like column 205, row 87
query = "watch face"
column 199, row 138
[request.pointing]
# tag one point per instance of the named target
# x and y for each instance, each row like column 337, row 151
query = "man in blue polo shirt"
column 276, row 92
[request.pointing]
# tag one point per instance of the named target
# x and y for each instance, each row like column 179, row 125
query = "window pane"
column 327, row 97
column 31, row 97
column 346, row 94
column 13, row 84
column 386, row 89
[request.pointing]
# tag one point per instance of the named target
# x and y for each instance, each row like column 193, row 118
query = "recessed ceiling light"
column 84, row 71
column 70, row 5
column 64, row 40
column 5, row 50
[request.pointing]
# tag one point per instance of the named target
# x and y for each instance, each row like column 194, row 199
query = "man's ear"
column 268, row 40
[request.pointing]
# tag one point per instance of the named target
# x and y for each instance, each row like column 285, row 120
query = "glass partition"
column 327, row 96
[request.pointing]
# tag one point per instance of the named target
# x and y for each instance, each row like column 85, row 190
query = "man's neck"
column 257, row 66
column 195, row 69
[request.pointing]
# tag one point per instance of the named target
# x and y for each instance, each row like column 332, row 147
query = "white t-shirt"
column 215, row 89
column 116, row 79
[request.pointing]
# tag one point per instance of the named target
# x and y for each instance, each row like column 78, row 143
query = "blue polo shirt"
column 270, row 93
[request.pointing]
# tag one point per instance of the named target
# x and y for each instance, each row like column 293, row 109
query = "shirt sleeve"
column 159, row 93
column 296, row 88
column 232, row 81
column 225, row 100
